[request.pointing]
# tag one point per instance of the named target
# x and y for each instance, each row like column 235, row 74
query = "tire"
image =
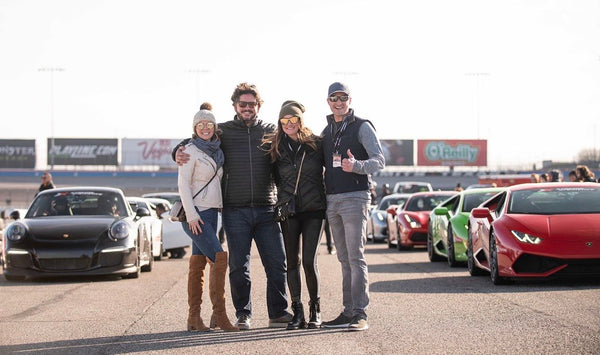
column 136, row 273
column 160, row 254
column 179, row 253
column 14, row 278
column 402, row 247
column 371, row 235
column 150, row 265
column 389, row 241
column 433, row 257
column 473, row 269
column 494, row 274
column 451, row 257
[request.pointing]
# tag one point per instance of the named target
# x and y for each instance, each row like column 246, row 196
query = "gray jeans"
column 347, row 215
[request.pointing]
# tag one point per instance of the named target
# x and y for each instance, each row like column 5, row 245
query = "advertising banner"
column 448, row 152
column 17, row 153
column 67, row 151
column 148, row 152
column 398, row 151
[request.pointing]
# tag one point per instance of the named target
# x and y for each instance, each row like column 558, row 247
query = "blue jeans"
column 242, row 225
column 206, row 243
column 347, row 215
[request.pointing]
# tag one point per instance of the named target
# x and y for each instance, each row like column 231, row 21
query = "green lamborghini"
column 449, row 222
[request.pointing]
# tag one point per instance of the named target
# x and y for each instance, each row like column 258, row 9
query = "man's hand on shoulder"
column 181, row 157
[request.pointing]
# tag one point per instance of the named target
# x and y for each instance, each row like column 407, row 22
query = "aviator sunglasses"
column 344, row 98
column 285, row 121
column 203, row 125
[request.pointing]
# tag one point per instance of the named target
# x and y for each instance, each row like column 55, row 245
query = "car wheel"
column 430, row 252
column 148, row 267
column 160, row 255
column 494, row 274
column 389, row 239
column 14, row 278
column 136, row 273
column 451, row 257
column 180, row 252
column 402, row 247
column 473, row 269
column 371, row 235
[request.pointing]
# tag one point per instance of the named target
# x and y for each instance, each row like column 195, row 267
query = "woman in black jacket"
column 298, row 160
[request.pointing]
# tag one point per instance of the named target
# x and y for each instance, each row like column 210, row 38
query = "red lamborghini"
column 537, row 231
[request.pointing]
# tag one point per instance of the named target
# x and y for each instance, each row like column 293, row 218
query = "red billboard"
column 448, row 152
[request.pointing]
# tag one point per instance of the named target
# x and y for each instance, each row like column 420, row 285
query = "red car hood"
column 571, row 227
column 421, row 216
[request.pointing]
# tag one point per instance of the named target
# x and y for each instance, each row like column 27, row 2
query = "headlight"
column 413, row 223
column 526, row 238
column 119, row 230
column 380, row 216
column 16, row 231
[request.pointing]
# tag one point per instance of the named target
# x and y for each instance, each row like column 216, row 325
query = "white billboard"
column 151, row 151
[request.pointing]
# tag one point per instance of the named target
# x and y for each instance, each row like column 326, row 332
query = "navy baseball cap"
column 338, row 87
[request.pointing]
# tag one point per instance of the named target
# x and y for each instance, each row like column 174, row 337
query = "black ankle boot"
column 298, row 321
column 314, row 315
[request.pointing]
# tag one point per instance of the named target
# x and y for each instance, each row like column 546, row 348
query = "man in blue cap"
column 352, row 152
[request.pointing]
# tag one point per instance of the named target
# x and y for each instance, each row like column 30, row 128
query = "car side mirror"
column 481, row 212
column 142, row 212
column 392, row 211
column 440, row 211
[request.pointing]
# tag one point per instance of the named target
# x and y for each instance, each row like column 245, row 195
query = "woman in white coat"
column 199, row 183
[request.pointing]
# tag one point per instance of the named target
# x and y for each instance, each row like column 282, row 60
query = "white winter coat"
column 193, row 176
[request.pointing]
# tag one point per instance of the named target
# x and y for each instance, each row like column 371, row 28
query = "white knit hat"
column 203, row 115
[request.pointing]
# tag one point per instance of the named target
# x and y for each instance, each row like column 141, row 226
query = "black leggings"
column 310, row 228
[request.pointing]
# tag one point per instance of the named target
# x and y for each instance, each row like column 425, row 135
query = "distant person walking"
column 351, row 151
column 47, row 182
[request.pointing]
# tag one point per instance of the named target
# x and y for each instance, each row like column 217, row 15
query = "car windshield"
column 424, row 203
column 474, row 200
column 78, row 203
column 411, row 188
column 387, row 202
column 560, row 200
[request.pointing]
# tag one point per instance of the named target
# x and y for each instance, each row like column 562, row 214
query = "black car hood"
column 68, row 228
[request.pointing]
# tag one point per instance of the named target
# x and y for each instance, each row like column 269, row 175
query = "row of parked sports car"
column 522, row 231
column 91, row 231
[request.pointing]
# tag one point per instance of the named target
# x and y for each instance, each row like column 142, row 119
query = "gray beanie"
column 203, row 115
column 291, row 107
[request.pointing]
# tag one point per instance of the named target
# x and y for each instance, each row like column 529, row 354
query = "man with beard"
column 249, row 195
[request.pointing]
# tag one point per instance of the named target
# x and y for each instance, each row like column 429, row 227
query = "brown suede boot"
column 195, row 289
column 217, row 291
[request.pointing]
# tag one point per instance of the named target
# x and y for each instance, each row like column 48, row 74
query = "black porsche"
column 78, row 231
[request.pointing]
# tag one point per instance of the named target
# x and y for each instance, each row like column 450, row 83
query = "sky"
column 522, row 74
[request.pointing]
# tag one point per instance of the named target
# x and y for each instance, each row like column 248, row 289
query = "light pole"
column 477, row 76
column 197, row 73
column 51, row 70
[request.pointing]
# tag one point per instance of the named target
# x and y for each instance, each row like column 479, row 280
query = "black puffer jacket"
column 248, row 179
column 311, row 189
column 248, row 174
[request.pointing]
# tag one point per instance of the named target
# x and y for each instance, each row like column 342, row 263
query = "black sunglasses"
column 246, row 103
column 343, row 98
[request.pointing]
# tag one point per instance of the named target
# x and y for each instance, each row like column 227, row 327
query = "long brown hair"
column 270, row 141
